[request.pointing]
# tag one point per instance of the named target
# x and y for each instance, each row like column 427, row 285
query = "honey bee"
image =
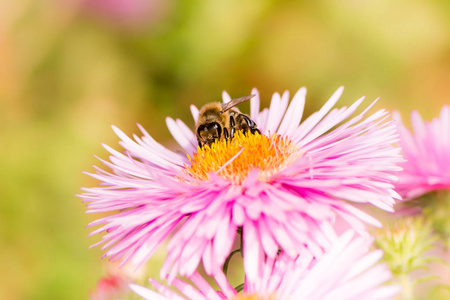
column 218, row 121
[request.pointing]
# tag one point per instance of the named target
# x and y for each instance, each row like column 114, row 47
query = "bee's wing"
column 234, row 102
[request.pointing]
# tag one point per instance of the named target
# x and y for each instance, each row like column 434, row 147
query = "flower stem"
column 227, row 261
column 407, row 286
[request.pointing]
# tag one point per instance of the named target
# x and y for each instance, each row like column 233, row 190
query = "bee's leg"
column 251, row 124
column 232, row 124
column 249, row 121
column 225, row 133
column 200, row 144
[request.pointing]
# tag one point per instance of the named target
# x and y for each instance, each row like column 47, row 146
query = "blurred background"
column 69, row 69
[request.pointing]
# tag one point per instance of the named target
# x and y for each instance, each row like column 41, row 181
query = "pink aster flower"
column 282, row 188
column 347, row 271
column 427, row 154
column 109, row 287
column 128, row 13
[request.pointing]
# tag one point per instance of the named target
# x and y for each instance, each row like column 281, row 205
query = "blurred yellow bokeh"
column 70, row 69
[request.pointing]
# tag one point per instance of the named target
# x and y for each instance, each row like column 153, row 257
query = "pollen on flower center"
column 234, row 159
column 253, row 297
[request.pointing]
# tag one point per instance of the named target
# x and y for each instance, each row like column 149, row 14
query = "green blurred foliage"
column 68, row 71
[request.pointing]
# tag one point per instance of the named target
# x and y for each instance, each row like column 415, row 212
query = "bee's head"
column 209, row 133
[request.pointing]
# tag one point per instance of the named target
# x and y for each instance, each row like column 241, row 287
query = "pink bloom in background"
column 347, row 271
column 110, row 287
column 114, row 284
column 427, row 154
column 129, row 13
column 306, row 176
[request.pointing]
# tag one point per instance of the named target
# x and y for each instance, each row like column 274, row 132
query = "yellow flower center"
column 253, row 297
column 234, row 159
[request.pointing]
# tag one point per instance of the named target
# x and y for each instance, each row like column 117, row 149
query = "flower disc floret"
column 253, row 297
column 234, row 159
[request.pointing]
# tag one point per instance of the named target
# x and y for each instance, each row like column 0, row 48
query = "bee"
column 218, row 121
